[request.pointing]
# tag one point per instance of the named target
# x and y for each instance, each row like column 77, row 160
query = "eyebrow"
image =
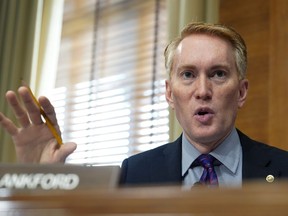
column 193, row 67
column 219, row 66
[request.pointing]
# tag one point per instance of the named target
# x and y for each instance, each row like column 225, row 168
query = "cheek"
column 181, row 96
column 230, row 99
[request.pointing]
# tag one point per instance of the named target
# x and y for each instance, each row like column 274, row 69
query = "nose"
column 203, row 90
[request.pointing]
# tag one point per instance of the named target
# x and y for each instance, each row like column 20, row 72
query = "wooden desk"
column 252, row 199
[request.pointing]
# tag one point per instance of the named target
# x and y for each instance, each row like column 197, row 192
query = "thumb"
column 64, row 151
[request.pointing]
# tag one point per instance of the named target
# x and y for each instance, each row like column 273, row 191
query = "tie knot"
column 206, row 160
column 209, row 176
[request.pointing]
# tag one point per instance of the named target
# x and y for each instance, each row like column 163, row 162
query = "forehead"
column 204, row 48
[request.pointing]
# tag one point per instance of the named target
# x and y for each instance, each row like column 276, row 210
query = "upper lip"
column 203, row 110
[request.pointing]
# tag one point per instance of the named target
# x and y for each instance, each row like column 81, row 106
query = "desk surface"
column 252, row 199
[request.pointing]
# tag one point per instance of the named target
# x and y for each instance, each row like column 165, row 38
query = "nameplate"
column 57, row 177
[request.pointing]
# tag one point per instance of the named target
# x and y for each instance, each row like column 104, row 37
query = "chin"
column 208, row 135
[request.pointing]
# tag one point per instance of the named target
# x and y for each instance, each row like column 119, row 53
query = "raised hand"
column 33, row 140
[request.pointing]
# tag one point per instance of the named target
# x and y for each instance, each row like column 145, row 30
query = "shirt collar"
column 228, row 152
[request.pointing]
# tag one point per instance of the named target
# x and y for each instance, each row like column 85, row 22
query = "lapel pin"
column 270, row 178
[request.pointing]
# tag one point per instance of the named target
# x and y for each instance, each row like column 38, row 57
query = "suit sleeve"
column 123, row 173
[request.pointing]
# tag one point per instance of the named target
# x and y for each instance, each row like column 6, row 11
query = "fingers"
column 29, row 103
column 19, row 112
column 31, row 110
column 8, row 125
column 50, row 111
column 31, row 113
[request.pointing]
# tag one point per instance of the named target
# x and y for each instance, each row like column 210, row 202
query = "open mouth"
column 203, row 111
column 204, row 115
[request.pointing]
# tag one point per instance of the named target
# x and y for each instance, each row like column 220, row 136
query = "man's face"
column 204, row 89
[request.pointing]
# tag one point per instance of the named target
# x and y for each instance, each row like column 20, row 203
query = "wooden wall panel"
column 278, row 94
column 255, row 20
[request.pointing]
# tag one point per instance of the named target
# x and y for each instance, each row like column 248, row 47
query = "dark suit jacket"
column 162, row 165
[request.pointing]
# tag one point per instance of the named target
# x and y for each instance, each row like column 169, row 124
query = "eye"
column 188, row 75
column 219, row 74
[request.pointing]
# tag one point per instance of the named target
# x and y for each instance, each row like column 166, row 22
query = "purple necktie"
column 209, row 176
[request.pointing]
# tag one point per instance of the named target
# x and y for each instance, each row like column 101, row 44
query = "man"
column 206, row 87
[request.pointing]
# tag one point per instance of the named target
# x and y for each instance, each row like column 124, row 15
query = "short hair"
column 224, row 32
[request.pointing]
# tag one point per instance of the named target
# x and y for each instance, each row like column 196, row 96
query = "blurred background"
column 101, row 64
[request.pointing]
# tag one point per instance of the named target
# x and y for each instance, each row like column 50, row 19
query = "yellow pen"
column 42, row 112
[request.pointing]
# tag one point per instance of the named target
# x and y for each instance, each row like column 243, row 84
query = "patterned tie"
column 209, row 176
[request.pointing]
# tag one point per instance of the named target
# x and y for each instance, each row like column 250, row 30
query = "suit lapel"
column 172, row 157
column 256, row 161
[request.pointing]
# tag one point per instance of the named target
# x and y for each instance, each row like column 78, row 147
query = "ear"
column 168, row 93
column 243, row 90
